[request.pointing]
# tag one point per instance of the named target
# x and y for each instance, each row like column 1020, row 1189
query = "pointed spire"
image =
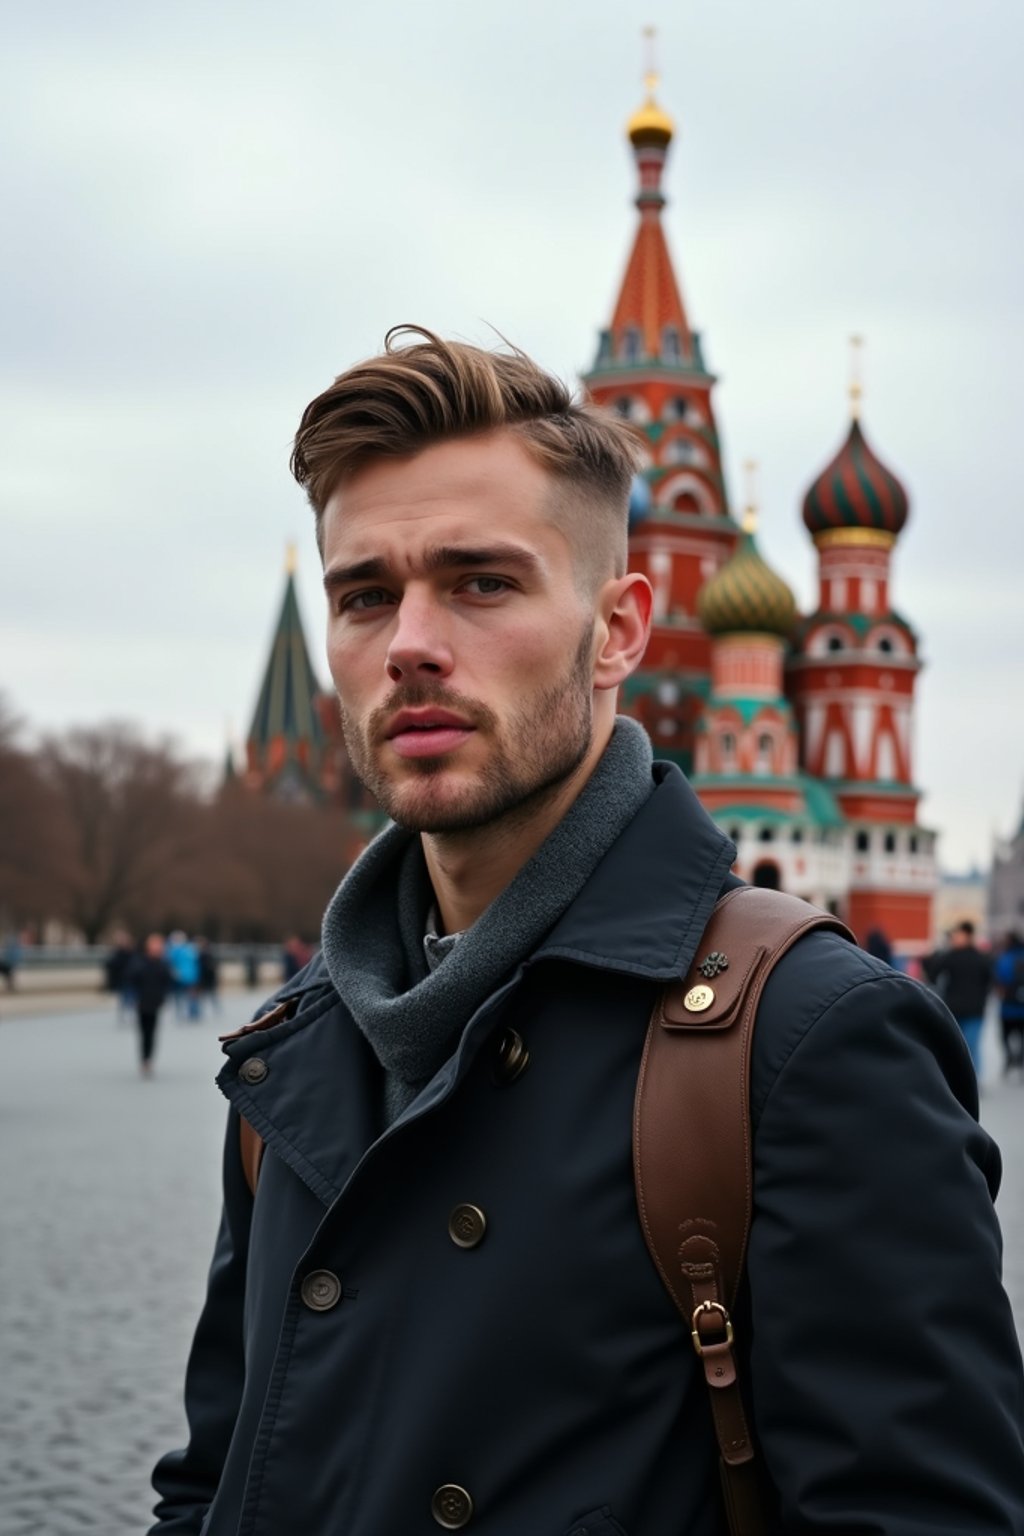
column 286, row 726
column 649, row 323
column 291, row 558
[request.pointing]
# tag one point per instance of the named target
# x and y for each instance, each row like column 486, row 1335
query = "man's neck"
column 468, row 870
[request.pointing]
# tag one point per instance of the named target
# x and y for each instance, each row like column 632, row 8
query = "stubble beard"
column 534, row 753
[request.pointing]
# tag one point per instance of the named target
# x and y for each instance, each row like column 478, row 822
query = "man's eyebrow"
column 441, row 557
column 373, row 569
column 444, row 557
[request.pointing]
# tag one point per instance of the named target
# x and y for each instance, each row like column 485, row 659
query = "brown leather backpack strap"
column 692, row 1147
column 251, row 1146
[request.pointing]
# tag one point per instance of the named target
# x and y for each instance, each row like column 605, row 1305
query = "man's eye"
column 359, row 602
column 487, row 586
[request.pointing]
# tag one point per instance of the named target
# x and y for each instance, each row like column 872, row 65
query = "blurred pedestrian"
column 295, row 956
column 152, row 981
column 209, row 974
column 963, row 977
column 10, row 959
column 118, row 968
column 1009, row 979
column 183, row 959
column 877, row 944
column 931, row 964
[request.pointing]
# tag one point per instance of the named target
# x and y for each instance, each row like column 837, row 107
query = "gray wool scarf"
column 373, row 928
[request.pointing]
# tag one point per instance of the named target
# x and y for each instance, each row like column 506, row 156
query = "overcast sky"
column 211, row 209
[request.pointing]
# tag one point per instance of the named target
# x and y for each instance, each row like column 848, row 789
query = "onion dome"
column 650, row 124
column 640, row 499
column 856, row 491
column 746, row 595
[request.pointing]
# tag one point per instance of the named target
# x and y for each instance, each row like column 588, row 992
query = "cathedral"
column 795, row 729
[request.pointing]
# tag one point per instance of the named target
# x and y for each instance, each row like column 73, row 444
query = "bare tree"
column 272, row 866
column 134, row 814
column 100, row 827
column 34, row 836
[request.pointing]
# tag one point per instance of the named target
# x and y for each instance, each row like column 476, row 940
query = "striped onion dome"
column 746, row 595
column 856, row 491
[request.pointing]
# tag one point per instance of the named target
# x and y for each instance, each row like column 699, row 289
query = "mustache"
column 422, row 695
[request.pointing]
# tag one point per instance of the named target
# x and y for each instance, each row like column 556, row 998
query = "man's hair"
column 425, row 391
column 966, row 928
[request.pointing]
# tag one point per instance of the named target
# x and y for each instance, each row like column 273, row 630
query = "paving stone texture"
column 108, row 1209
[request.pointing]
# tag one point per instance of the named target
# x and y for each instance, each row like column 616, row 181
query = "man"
column 150, row 979
column 439, row 1311
column 1009, row 979
column 963, row 977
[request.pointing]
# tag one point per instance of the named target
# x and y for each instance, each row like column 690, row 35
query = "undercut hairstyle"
column 422, row 390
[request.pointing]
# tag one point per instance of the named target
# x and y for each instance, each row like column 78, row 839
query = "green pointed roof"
column 286, row 709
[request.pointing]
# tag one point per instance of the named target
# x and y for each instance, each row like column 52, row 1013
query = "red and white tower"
column 650, row 368
column 852, row 680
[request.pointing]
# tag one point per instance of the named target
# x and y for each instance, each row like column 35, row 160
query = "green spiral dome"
column 746, row 595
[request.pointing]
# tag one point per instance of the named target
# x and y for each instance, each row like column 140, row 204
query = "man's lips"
column 427, row 732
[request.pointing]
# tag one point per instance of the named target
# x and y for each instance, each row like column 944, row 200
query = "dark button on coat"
column 547, row 1373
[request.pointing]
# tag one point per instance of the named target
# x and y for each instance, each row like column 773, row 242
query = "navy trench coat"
column 455, row 1324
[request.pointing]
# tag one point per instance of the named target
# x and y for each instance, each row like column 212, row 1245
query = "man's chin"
column 435, row 802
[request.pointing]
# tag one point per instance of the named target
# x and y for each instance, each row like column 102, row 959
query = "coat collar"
column 646, row 905
column 641, row 913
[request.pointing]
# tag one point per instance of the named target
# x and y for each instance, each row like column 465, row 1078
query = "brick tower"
column 650, row 368
column 852, row 678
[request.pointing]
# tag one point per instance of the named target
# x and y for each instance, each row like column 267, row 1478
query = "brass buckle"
column 704, row 1308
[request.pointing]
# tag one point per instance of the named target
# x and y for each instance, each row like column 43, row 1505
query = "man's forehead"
column 487, row 463
column 467, row 491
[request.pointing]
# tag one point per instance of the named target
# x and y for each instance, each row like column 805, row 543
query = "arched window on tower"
column 671, row 350
column 765, row 751
column 676, row 408
column 888, row 641
column 632, row 408
column 686, row 501
column 727, row 748
column 632, row 344
column 682, row 450
column 829, row 640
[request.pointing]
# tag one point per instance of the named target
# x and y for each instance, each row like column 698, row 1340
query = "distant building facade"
column 1006, row 886
column 796, row 730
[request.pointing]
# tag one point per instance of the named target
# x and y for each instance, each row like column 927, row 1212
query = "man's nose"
column 419, row 646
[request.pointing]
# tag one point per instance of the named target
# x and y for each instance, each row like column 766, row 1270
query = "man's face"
column 459, row 644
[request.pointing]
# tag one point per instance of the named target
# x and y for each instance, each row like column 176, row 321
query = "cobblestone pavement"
column 108, row 1208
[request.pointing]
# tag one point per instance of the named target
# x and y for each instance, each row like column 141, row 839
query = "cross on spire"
column 652, row 79
column 856, row 379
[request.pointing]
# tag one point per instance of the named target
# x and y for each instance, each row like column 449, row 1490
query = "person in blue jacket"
column 1008, row 975
column 439, row 1312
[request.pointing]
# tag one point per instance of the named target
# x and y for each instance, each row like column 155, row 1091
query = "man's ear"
column 624, row 607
